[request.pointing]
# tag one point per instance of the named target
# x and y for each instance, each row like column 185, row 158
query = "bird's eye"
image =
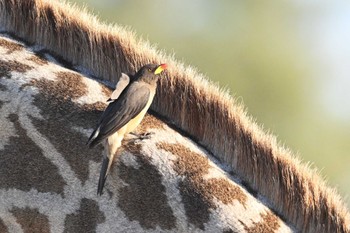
column 149, row 69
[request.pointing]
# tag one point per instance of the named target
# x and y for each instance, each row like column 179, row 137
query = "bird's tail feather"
column 103, row 175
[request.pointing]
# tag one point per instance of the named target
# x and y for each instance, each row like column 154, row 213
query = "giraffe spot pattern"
column 31, row 220
column 24, row 167
column 269, row 223
column 86, row 218
column 198, row 192
column 60, row 114
column 6, row 67
column 10, row 46
column 144, row 198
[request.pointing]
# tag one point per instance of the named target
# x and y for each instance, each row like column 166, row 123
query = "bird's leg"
column 142, row 136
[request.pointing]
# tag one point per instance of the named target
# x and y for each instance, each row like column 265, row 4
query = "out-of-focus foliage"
column 264, row 53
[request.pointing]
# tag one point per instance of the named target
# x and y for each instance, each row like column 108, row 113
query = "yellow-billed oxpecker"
column 128, row 105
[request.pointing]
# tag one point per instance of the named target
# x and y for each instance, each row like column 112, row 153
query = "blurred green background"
column 287, row 61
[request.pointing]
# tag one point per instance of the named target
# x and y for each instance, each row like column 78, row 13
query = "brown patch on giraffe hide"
column 149, row 122
column 68, row 86
column 6, row 67
column 86, row 219
column 31, row 220
column 38, row 60
column 225, row 191
column 61, row 115
column 23, row 166
column 106, row 90
column 144, row 198
column 3, row 227
column 196, row 206
column 268, row 223
column 57, row 96
column 10, row 46
column 130, row 146
column 198, row 193
column 99, row 106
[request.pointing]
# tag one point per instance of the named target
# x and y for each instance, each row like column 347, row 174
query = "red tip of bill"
column 160, row 68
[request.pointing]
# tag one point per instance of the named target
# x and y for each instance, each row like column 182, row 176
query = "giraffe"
column 207, row 167
column 166, row 183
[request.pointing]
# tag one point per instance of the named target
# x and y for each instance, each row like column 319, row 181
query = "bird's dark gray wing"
column 118, row 113
column 123, row 82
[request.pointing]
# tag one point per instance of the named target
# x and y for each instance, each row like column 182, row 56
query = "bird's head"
column 150, row 73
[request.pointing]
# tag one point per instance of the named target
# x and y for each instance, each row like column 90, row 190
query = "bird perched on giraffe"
column 128, row 105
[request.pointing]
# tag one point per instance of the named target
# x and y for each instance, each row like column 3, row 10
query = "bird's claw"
column 143, row 136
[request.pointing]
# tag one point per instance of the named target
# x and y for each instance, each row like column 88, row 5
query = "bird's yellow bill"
column 160, row 68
